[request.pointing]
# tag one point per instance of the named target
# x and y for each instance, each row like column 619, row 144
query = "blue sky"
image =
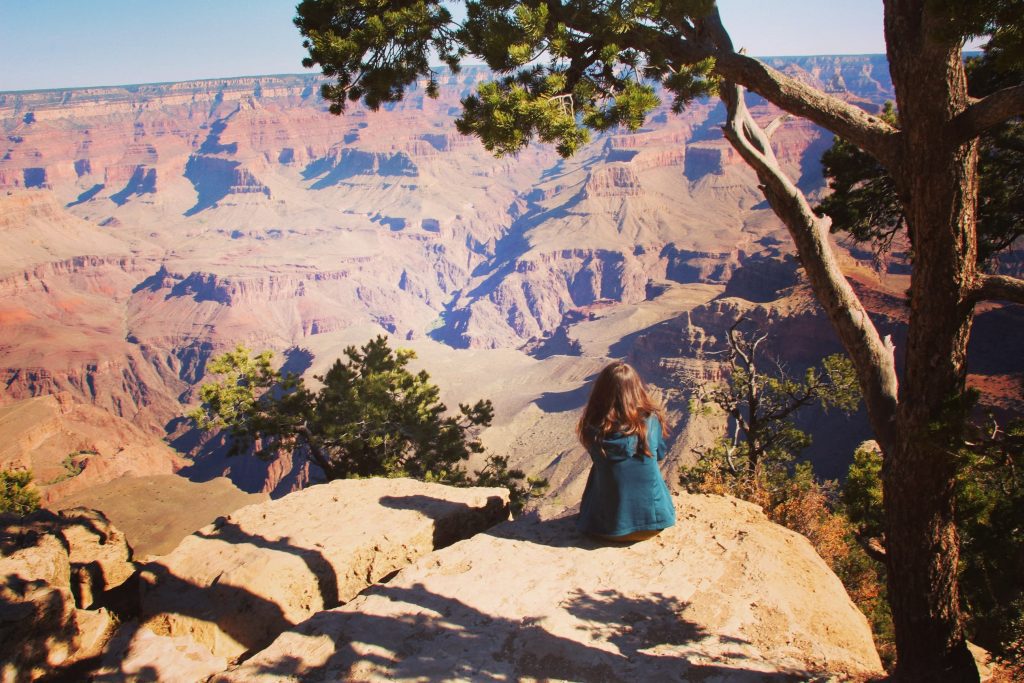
column 72, row 43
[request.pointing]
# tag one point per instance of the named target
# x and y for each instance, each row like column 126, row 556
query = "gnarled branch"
column 872, row 357
column 870, row 133
column 997, row 288
column 988, row 112
column 775, row 124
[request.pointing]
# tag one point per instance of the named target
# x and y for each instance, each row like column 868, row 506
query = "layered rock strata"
column 71, row 447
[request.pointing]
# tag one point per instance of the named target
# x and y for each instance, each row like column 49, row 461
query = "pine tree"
column 17, row 496
column 372, row 416
column 567, row 66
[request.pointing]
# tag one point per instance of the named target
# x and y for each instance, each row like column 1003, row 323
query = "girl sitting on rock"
column 622, row 428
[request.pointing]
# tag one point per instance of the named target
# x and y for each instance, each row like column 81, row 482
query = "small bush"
column 371, row 416
column 17, row 495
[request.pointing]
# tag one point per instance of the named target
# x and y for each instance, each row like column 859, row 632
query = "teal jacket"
column 625, row 490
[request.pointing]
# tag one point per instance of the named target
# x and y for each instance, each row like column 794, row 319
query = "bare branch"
column 757, row 342
column 873, row 547
column 775, row 124
column 737, row 348
column 997, row 288
column 869, row 132
column 987, row 112
column 872, row 358
column 796, row 403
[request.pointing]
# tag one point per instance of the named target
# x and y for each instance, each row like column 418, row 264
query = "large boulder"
column 235, row 585
column 137, row 654
column 43, row 559
column 38, row 628
column 723, row 595
column 48, row 563
column 100, row 557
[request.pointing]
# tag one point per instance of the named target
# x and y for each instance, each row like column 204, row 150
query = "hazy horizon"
column 61, row 44
column 313, row 73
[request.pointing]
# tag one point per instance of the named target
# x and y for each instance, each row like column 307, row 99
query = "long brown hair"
column 618, row 402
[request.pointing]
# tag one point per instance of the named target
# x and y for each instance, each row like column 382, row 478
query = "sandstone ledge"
column 235, row 585
column 724, row 595
column 50, row 563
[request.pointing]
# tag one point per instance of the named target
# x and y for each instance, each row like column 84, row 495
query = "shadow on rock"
column 438, row 638
column 249, row 619
column 453, row 521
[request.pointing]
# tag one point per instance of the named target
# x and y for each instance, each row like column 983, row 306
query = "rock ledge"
column 723, row 595
column 236, row 584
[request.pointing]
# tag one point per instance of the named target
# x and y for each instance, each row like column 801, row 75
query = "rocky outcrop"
column 42, row 239
column 541, row 288
column 342, row 163
column 37, row 620
column 614, row 181
column 100, row 557
column 724, row 595
column 709, row 157
column 215, row 178
column 137, row 654
column 763, row 278
column 51, row 567
column 231, row 291
column 235, row 585
column 689, row 265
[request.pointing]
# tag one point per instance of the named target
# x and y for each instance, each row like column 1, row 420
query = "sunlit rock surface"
column 235, row 585
column 723, row 595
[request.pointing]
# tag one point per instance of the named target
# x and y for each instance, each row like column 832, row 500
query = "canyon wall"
column 146, row 228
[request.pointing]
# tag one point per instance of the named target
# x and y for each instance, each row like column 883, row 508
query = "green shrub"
column 372, row 416
column 17, row 495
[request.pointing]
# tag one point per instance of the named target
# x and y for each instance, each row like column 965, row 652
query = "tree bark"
column 937, row 181
column 936, row 177
column 315, row 452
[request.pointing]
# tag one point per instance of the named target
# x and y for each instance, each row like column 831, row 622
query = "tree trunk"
column 937, row 182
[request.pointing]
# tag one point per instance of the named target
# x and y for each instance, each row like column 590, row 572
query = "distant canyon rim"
column 147, row 228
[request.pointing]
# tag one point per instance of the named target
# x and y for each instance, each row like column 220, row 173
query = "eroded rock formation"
column 147, row 229
column 53, row 569
column 71, row 447
column 235, row 585
column 724, row 594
